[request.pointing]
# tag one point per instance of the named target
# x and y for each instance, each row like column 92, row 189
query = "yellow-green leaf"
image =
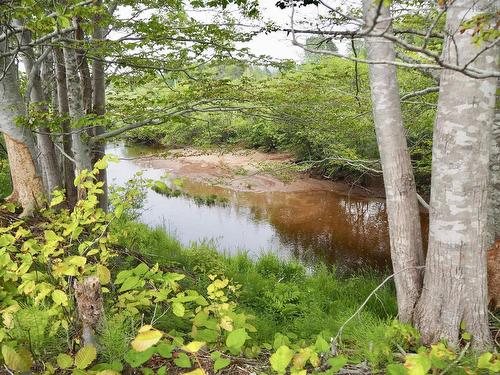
column 194, row 346
column 103, row 274
column 281, row 359
column 145, row 340
column 101, row 164
column 85, row 357
column 20, row 360
column 64, row 361
column 56, row 200
column 198, row 371
column 60, row 298
column 178, row 309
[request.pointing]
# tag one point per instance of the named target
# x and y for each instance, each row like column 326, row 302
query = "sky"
column 278, row 44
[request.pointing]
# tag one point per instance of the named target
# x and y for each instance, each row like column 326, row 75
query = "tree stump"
column 90, row 308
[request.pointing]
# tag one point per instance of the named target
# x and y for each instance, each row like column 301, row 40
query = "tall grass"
column 284, row 296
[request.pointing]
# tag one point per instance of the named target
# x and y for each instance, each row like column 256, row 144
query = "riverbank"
column 168, row 308
column 247, row 170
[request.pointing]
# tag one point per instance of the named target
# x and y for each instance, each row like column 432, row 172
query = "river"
column 346, row 231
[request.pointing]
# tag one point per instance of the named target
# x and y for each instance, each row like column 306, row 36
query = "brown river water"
column 321, row 225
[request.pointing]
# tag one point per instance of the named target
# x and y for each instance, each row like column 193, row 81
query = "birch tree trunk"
column 81, row 152
column 455, row 283
column 401, row 196
column 63, row 104
column 99, row 105
column 26, row 179
column 46, row 146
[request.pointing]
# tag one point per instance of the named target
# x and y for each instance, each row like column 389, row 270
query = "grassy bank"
column 283, row 296
column 171, row 309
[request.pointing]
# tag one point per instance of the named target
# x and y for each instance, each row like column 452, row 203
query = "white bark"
column 48, row 157
column 494, row 206
column 81, row 151
column 401, row 196
column 455, row 280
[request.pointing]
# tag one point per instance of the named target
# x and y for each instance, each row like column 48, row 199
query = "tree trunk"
column 401, row 196
column 27, row 181
column 99, row 106
column 81, row 151
column 494, row 206
column 84, row 70
column 62, row 99
column 455, row 280
column 44, row 142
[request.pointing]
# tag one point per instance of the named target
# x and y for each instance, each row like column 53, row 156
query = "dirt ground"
column 248, row 170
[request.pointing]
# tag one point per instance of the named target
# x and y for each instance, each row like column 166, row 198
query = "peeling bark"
column 401, row 195
column 27, row 182
column 455, row 282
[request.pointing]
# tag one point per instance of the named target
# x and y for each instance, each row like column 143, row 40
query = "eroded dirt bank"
column 247, row 170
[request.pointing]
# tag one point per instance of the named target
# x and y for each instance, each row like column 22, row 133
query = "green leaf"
column 145, row 340
column 183, row 361
column 236, row 339
column 321, row 345
column 336, row 363
column 119, row 210
column 60, row 298
column 221, row 363
column 165, row 350
column 130, row 283
column 85, row 356
column 20, row 360
column 178, row 309
column 64, row 361
column 396, row 369
column 135, row 359
column 56, row 200
column 281, row 359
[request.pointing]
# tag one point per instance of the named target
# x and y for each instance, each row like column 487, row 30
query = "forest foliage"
column 320, row 111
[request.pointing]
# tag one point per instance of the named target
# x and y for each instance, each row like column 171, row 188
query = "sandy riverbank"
column 247, row 170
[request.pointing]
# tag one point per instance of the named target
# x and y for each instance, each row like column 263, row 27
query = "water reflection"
column 320, row 225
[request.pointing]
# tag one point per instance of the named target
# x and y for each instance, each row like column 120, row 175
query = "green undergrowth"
column 5, row 183
column 283, row 296
column 171, row 309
